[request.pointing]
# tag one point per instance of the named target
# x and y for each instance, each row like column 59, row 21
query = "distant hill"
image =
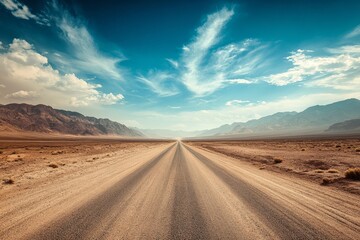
column 350, row 125
column 45, row 119
column 317, row 118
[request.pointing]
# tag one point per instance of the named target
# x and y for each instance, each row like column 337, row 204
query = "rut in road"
column 187, row 193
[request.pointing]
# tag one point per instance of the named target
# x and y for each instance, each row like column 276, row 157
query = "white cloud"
column 22, row 95
column 86, row 57
column 20, row 10
column 207, row 67
column 239, row 81
column 354, row 33
column 196, row 51
column 185, row 48
column 236, row 102
column 317, row 70
column 174, row 63
column 160, row 83
column 27, row 75
column 1, row 45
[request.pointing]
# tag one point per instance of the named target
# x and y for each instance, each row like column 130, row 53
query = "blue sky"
column 186, row 65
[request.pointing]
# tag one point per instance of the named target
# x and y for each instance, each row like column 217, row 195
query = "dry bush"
column 8, row 181
column 357, row 150
column 353, row 174
column 327, row 181
column 53, row 165
column 277, row 160
column 332, row 171
column 319, row 171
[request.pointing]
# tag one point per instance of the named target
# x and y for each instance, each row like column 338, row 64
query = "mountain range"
column 342, row 116
column 314, row 119
column 45, row 119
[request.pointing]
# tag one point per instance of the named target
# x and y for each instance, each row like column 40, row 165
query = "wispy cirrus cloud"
column 207, row 66
column 159, row 82
column 173, row 63
column 354, row 33
column 28, row 75
column 22, row 11
column 86, row 57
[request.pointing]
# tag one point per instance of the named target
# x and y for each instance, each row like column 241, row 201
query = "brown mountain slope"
column 45, row 119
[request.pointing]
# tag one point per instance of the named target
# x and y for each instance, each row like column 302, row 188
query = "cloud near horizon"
column 340, row 69
column 27, row 75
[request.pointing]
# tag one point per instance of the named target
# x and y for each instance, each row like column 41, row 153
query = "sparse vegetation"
column 357, row 150
column 53, row 165
column 277, row 160
column 319, row 171
column 1, row 152
column 327, row 181
column 332, row 171
column 353, row 174
column 8, row 181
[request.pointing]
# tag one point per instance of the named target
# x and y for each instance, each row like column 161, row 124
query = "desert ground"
column 323, row 160
column 136, row 189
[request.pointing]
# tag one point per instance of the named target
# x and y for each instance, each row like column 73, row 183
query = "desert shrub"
column 338, row 146
column 353, row 174
column 1, row 152
column 318, row 164
column 327, row 181
column 8, row 181
column 277, row 160
column 53, row 165
column 357, row 150
column 332, row 171
column 319, row 171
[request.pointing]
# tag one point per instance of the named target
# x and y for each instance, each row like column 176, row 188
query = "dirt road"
column 176, row 191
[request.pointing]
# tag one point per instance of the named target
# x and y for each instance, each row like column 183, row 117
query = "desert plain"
column 110, row 188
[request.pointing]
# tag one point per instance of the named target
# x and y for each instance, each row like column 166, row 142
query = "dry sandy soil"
column 122, row 189
column 28, row 162
column 311, row 159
